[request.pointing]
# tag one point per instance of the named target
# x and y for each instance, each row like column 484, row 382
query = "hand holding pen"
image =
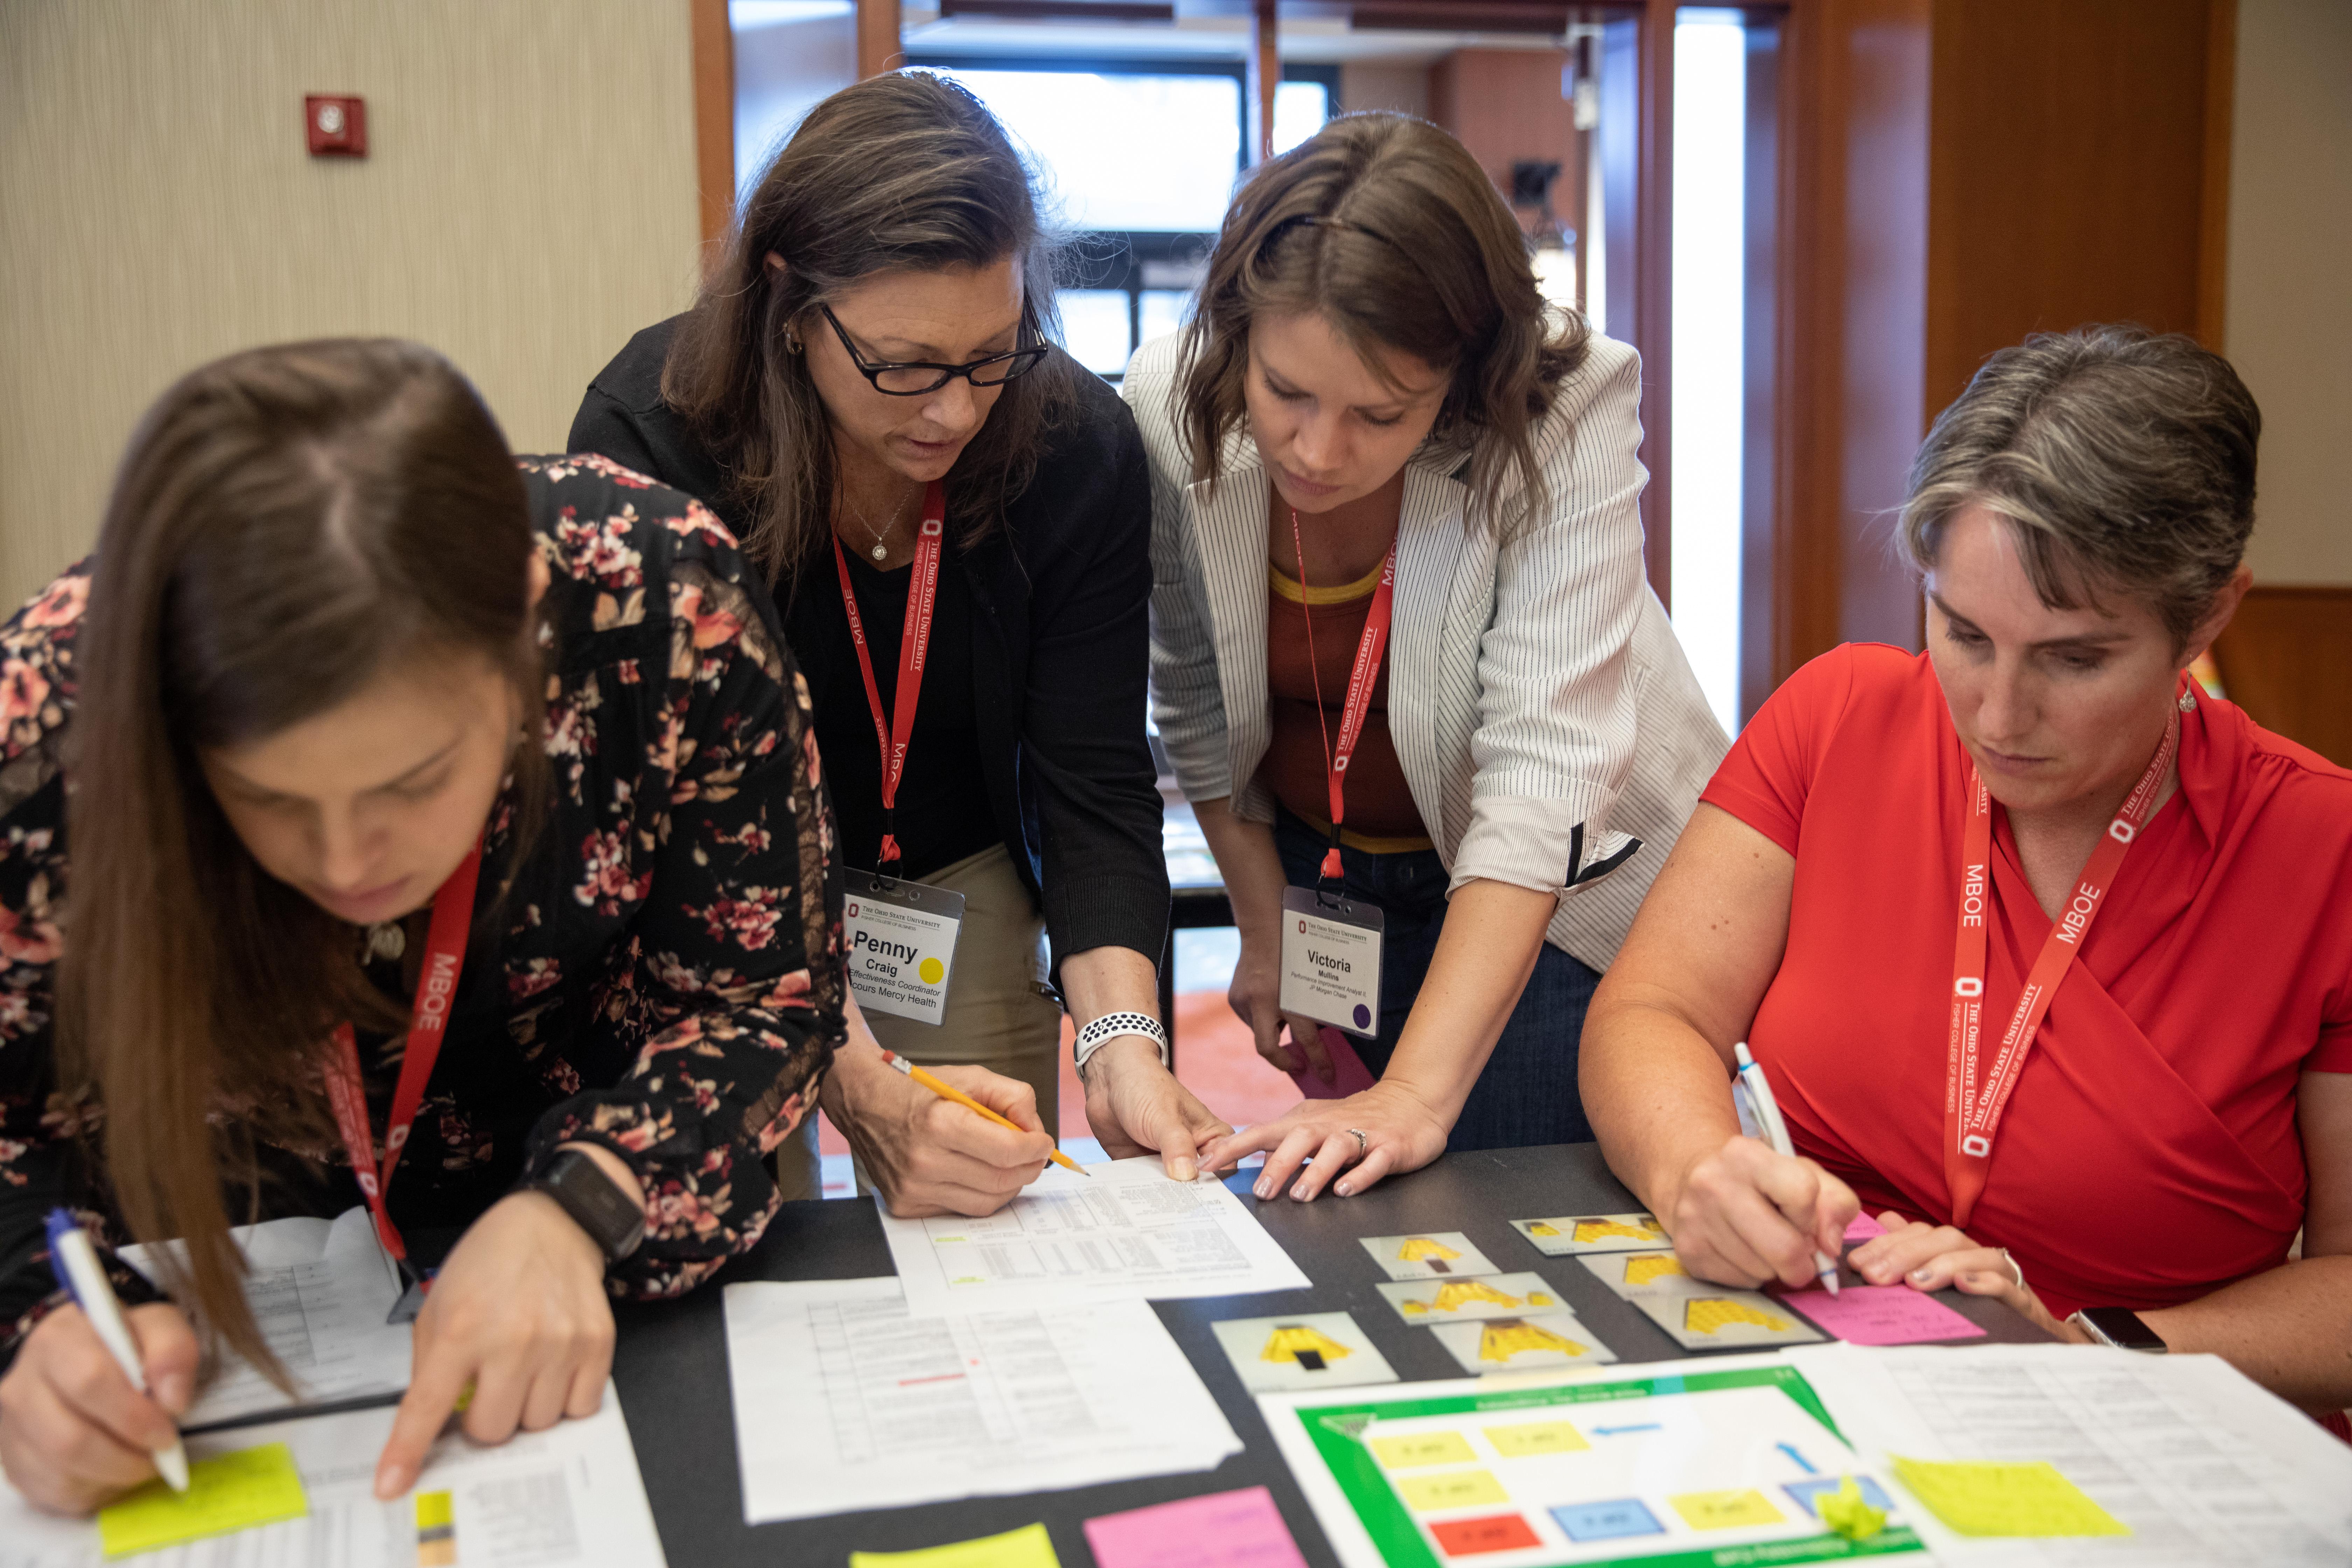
column 1775, row 1133
column 87, row 1407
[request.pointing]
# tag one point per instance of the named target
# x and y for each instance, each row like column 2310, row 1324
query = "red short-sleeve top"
column 2150, row 1154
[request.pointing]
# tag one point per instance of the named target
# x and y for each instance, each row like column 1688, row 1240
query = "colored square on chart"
column 1612, row 1521
column 1422, row 1448
column 1226, row 1530
column 1500, row 1532
column 1882, row 1315
column 1453, row 1488
column 1807, row 1493
column 436, row 1530
column 1455, row 1300
column 1558, row 1237
column 227, row 1492
column 1739, row 1509
column 1518, row 1441
column 1430, row 1254
column 1540, row 1342
column 2013, row 1499
column 1304, row 1350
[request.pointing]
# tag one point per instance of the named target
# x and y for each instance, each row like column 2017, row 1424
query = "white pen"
column 1776, row 1132
column 75, row 1262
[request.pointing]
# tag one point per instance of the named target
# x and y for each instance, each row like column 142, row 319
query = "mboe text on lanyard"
column 436, row 990
column 1330, row 942
column 1975, row 1094
column 901, row 936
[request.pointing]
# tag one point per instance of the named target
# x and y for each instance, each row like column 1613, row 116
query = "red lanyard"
column 1972, row 1102
column 914, row 650
column 1360, row 685
column 437, row 988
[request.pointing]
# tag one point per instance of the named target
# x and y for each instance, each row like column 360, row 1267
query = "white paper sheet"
column 845, row 1401
column 569, row 1496
column 1124, row 1231
column 2204, row 1464
column 319, row 1291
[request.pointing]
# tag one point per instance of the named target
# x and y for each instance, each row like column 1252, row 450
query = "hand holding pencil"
column 946, row 1091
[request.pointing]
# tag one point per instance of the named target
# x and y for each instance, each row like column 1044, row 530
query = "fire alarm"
column 337, row 127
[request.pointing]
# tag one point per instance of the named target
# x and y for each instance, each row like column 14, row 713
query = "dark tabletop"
column 671, row 1363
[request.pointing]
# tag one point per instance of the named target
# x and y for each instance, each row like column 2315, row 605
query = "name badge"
column 1331, row 961
column 901, row 939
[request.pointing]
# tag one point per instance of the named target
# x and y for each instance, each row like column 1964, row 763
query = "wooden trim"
column 2282, row 659
column 1653, row 295
column 2220, row 113
column 1264, row 73
column 878, row 51
column 714, row 119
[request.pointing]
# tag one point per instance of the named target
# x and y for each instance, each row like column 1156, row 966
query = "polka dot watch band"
column 1110, row 1027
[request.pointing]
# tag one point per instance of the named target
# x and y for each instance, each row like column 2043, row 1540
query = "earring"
column 792, row 342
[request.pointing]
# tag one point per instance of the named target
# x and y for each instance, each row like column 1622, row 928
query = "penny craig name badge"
column 901, row 941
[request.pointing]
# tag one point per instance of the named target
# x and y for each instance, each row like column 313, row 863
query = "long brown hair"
column 286, row 522
column 1386, row 227
column 901, row 173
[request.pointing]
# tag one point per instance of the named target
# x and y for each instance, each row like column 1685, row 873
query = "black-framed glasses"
column 912, row 378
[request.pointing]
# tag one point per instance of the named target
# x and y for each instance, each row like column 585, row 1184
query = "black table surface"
column 671, row 1360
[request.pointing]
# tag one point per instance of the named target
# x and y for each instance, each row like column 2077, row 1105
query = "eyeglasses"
column 912, row 378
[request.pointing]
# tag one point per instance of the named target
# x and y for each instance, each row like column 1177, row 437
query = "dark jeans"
column 1528, row 1092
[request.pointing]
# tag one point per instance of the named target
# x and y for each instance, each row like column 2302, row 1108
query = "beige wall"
column 2289, row 324
column 528, row 201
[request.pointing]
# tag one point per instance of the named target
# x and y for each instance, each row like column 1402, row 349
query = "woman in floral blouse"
column 336, row 650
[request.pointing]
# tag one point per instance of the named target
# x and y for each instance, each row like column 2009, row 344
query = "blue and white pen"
column 75, row 1262
column 1776, row 1132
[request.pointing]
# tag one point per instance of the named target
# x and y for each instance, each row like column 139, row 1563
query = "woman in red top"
column 2184, row 1105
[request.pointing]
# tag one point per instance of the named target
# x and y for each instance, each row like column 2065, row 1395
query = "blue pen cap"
column 59, row 1221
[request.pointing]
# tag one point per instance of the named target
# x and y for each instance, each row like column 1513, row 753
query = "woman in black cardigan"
column 866, row 363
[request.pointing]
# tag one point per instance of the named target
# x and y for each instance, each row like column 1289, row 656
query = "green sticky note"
column 1848, row 1512
column 1987, row 1499
column 225, row 1492
column 1027, row 1547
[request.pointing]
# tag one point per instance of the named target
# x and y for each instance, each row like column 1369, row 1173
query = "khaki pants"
column 997, row 1016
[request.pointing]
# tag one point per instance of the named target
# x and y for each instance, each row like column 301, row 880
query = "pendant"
column 881, row 552
column 387, row 941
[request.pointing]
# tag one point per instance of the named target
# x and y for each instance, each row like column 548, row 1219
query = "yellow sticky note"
column 225, row 1492
column 1422, row 1448
column 1539, row 1437
column 1989, row 1499
column 1027, row 1547
column 1725, row 1510
column 1455, row 1488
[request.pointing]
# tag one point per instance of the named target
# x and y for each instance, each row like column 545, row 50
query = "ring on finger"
column 1363, row 1144
column 2013, row 1268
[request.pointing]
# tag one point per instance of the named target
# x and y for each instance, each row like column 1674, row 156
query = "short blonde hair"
column 2121, row 459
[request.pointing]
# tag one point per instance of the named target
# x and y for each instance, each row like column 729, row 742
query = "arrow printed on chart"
column 1791, row 1449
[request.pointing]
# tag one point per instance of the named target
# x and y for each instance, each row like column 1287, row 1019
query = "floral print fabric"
column 663, row 978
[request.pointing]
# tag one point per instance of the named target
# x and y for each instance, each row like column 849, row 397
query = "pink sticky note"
column 1226, row 1530
column 1861, row 1228
column 1353, row 1076
column 1882, row 1315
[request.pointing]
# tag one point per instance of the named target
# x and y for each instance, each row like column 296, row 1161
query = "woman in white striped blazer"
column 1372, row 383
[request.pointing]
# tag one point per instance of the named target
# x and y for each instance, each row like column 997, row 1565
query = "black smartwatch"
column 2119, row 1327
column 613, row 1220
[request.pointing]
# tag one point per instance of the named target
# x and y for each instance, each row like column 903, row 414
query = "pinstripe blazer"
column 1533, row 690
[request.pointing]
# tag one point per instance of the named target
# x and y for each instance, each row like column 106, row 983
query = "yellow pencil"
column 949, row 1091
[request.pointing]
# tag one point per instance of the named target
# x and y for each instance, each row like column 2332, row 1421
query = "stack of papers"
column 320, row 1292
column 1123, row 1232
column 2197, row 1462
column 846, row 1399
column 569, row 1496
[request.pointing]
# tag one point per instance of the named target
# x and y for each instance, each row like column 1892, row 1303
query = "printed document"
column 319, row 1291
column 2199, row 1462
column 844, row 1399
column 569, row 1496
column 1123, row 1231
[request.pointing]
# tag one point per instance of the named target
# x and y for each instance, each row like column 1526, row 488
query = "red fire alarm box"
column 337, row 127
